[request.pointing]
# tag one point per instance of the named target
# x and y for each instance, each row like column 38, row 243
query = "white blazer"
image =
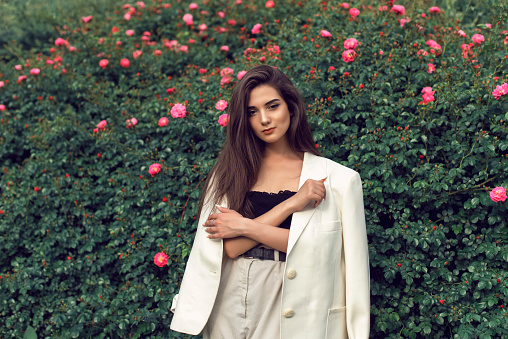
column 326, row 288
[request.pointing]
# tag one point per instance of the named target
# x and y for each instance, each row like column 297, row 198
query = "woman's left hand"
column 226, row 224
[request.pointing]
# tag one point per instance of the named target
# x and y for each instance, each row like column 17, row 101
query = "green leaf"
column 30, row 333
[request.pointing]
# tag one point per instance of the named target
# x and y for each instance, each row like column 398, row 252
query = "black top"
column 262, row 202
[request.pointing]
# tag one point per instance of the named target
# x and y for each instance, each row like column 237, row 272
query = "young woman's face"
column 269, row 116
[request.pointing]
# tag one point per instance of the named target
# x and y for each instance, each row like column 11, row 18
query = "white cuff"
column 174, row 303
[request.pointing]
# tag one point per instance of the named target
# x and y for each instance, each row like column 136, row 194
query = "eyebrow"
column 268, row 103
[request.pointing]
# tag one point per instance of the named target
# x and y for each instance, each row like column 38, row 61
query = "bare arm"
column 263, row 229
column 241, row 234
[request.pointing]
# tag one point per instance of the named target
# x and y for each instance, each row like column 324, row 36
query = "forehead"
column 262, row 94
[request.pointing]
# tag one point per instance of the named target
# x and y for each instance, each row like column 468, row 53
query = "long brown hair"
column 237, row 166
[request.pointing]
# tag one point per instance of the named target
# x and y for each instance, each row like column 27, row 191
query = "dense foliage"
column 107, row 135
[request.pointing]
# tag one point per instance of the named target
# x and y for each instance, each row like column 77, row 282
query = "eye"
column 274, row 106
column 251, row 112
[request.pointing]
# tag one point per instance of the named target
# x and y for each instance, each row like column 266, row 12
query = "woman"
column 281, row 246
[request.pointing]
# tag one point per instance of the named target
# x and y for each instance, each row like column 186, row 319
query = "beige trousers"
column 248, row 302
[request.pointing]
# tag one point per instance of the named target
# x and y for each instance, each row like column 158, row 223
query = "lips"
column 269, row 130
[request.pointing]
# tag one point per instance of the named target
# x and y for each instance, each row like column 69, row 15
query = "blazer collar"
column 312, row 169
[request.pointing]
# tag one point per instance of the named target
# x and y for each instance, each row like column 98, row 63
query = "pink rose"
column 35, row 71
column 86, row 19
column 157, row 52
column 256, row 29
column 136, row 54
column 60, row 42
column 428, row 97
column 127, row 16
column 202, row 27
column 344, row 5
column 193, row 6
column 350, row 43
column 129, row 32
column 160, row 259
column 225, row 80
column 466, row 51
column 2, row 84
column 154, row 169
column 403, row 21
column 140, row 4
column 125, row 63
column 462, row 33
column 500, row 90
column 221, row 15
column 21, row 78
column 224, row 48
column 434, row 10
column 383, row 8
column 270, row 4
column 163, row 121
column 400, row 10
column 326, row 34
column 431, row 43
column 431, row 69
column 188, row 19
column 349, row 55
column 96, row 130
column 2, row 108
column 223, row 120
column 354, row 12
column 103, row 63
column 428, row 90
column 221, row 105
column 184, row 49
column 478, row 38
column 226, row 71
column 241, row 74
column 102, row 124
column 498, row 194
column 178, row 111
column 17, row 67
column 131, row 122
column 488, row 25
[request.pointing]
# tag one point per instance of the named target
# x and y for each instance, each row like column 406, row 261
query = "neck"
column 280, row 149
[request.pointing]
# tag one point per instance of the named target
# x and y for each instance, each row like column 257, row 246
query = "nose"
column 265, row 117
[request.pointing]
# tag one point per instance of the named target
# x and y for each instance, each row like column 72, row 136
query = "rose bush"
column 102, row 163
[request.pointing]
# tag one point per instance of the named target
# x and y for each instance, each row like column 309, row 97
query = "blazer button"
column 289, row 313
column 291, row 274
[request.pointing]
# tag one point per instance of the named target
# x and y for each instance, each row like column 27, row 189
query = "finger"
column 213, row 216
column 222, row 209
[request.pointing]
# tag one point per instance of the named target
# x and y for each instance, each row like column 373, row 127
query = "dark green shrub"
column 82, row 219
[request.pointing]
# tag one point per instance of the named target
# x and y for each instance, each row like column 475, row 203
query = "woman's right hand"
column 310, row 190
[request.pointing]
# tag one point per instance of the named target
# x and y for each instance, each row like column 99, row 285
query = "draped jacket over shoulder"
column 326, row 288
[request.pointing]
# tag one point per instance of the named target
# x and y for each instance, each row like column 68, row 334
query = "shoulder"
column 335, row 169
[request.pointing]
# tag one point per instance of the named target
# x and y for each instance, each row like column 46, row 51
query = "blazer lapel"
column 311, row 169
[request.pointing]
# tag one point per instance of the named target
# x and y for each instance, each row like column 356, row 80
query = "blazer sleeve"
column 356, row 256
